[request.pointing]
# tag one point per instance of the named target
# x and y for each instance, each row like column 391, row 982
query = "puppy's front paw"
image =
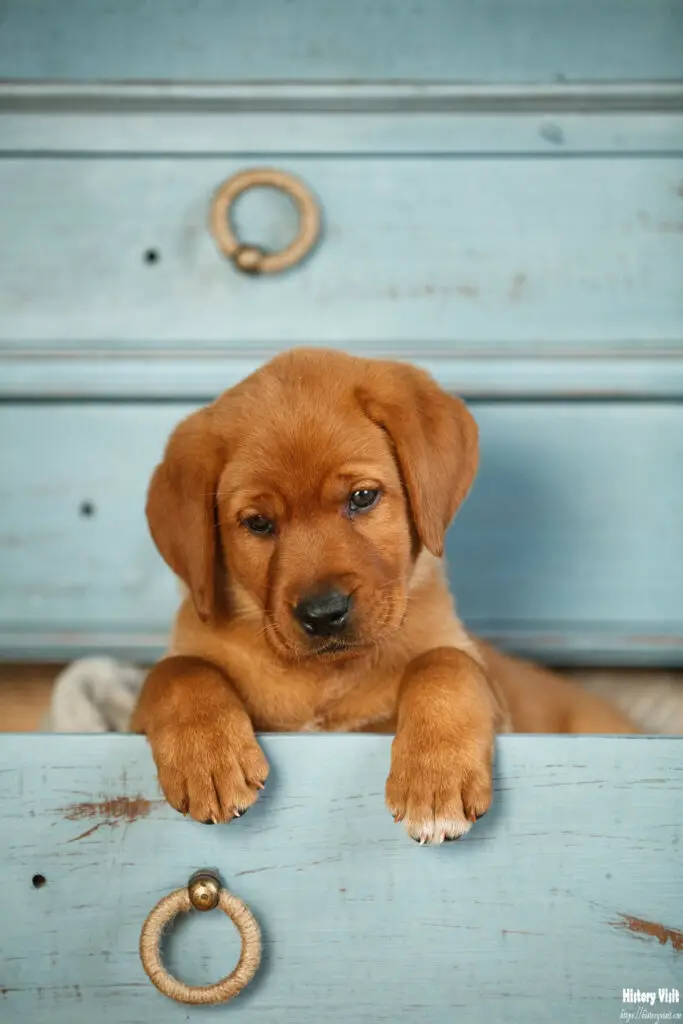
column 438, row 787
column 210, row 769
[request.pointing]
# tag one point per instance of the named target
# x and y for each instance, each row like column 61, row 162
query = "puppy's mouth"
column 337, row 648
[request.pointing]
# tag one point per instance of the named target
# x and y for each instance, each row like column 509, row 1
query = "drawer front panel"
column 448, row 256
column 207, row 40
column 573, row 529
column 567, row 892
column 570, row 545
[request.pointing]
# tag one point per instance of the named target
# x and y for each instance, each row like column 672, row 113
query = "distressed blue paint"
column 565, row 548
column 517, row 923
column 502, row 189
column 209, row 40
column 468, row 257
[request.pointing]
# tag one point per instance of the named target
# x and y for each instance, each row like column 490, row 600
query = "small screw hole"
column 86, row 509
column 151, row 256
column 38, row 881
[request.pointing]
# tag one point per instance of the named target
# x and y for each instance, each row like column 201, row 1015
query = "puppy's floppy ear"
column 181, row 505
column 435, row 440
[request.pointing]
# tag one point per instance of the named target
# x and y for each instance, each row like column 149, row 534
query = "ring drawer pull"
column 203, row 892
column 250, row 259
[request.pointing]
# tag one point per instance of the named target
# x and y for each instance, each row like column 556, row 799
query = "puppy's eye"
column 361, row 501
column 259, row 524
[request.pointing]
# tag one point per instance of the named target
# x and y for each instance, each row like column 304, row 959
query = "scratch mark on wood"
column 76, row 991
column 651, row 929
column 256, row 871
column 88, row 832
column 286, row 867
column 325, row 860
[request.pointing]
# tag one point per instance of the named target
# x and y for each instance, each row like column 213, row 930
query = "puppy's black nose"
column 324, row 614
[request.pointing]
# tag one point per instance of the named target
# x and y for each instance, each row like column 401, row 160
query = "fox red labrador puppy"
column 305, row 511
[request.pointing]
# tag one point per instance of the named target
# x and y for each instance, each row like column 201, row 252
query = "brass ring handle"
column 203, row 892
column 250, row 259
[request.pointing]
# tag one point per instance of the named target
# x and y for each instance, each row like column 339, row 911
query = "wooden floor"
column 25, row 692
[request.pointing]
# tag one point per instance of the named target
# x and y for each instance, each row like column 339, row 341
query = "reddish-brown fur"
column 290, row 443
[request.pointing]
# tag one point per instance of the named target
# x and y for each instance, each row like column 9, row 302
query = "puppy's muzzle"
column 324, row 614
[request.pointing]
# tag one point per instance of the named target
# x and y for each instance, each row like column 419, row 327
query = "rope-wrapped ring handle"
column 251, row 259
column 204, row 892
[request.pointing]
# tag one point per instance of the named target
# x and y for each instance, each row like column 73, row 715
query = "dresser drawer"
column 566, row 894
column 445, row 256
column 569, row 547
column 318, row 40
column 496, row 189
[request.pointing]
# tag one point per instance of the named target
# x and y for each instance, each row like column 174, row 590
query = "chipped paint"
column 518, row 283
column 112, row 812
column 650, row 929
column 126, row 808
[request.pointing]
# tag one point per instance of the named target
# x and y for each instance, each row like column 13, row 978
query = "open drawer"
column 562, row 900
column 569, row 548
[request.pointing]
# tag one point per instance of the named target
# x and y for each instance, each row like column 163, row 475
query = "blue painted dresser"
column 501, row 191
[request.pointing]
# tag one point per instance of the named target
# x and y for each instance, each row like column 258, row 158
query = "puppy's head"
column 303, row 496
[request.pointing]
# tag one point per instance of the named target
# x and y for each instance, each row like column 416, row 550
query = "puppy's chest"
column 330, row 701
column 333, row 700
column 342, row 704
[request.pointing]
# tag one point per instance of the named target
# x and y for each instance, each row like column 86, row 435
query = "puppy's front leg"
column 209, row 763
column 441, row 758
